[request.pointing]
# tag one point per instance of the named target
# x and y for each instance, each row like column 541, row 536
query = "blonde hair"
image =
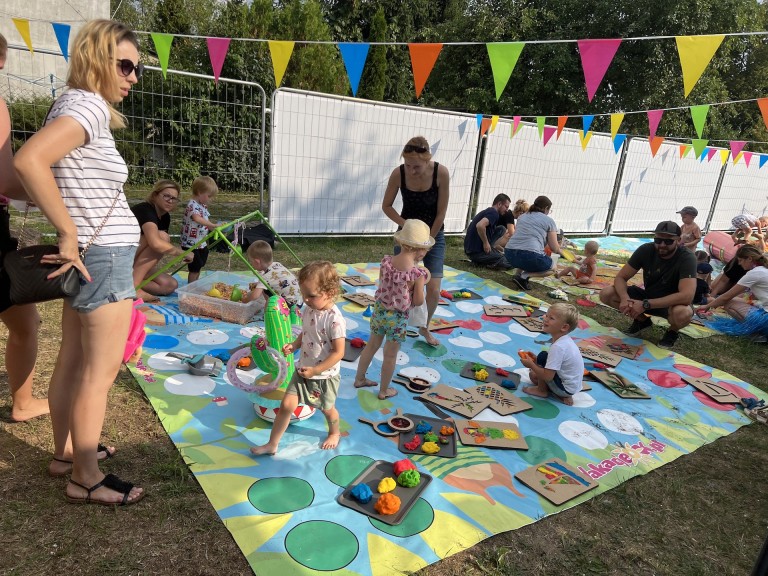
column 567, row 313
column 752, row 253
column 92, row 61
column 325, row 276
column 161, row 185
column 521, row 207
column 260, row 250
column 3, row 46
column 204, row 185
column 418, row 142
column 591, row 247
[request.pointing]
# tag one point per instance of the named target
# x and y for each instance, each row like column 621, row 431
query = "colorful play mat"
column 283, row 511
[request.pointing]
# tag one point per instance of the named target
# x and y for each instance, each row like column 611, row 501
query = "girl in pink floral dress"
column 401, row 287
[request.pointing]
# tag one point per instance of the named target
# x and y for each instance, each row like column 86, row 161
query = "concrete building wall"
column 44, row 72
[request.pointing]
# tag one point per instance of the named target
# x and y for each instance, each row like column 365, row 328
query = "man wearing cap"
column 691, row 233
column 669, row 279
column 483, row 232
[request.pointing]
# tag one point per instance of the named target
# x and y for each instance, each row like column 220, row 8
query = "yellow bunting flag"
column 22, row 25
column 695, row 53
column 737, row 158
column 280, row 51
column 494, row 121
column 724, row 156
column 655, row 143
column 616, row 120
column 585, row 138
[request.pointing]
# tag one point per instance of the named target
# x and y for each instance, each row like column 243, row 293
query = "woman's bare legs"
column 432, row 298
column 144, row 264
column 23, row 323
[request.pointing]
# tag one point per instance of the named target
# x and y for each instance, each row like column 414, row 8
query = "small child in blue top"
column 197, row 223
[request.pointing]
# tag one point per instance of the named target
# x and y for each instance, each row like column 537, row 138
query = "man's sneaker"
column 639, row 324
column 668, row 340
column 522, row 282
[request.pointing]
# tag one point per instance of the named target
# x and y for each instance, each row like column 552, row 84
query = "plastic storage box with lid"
column 193, row 298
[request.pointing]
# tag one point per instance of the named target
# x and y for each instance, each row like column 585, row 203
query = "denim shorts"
column 556, row 384
column 111, row 270
column 434, row 259
column 527, row 260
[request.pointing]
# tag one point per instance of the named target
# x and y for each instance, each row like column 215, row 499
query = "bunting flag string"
column 596, row 57
column 280, row 51
column 724, row 154
column 217, row 51
column 503, row 57
column 696, row 52
column 561, row 120
column 62, row 37
column 163, row 48
column 354, row 56
column 699, row 116
column 22, row 25
column 616, row 120
column 548, row 132
column 654, row 117
column 423, row 58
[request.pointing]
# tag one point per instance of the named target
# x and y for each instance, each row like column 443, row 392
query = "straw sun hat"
column 415, row 233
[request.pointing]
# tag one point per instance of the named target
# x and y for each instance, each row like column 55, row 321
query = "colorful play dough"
column 423, row 427
column 387, row 504
column 386, row 485
column 430, row 448
column 401, row 465
column 409, row 478
column 430, row 437
column 413, row 444
column 481, row 374
column 444, row 439
column 362, row 493
column 446, row 430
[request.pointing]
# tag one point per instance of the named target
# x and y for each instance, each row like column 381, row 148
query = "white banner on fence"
column 331, row 159
column 744, row 189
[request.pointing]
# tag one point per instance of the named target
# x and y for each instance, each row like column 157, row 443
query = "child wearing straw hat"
column 401, row 287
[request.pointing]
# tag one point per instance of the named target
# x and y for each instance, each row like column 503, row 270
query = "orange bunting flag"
column 22, row 25
column 655, row 143
column 280, row 51
column 485, row 123
column 561, row 120
column 695, row 53
column 684, row 149
column 763, row 104
column 423, row 58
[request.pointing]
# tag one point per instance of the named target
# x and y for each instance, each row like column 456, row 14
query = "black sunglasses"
column 127, row 67
column 408, row 148
column 667, row 241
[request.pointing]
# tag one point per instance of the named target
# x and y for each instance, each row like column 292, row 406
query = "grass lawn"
column 705, row 513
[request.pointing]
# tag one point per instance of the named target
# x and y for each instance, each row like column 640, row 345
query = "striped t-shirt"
column 90, row 176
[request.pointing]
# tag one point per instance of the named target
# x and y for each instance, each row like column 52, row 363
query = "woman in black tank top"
column 424, row 185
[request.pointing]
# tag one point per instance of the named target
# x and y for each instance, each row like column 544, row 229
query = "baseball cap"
column 668, row 227
column 688, row 210
column 704, row 268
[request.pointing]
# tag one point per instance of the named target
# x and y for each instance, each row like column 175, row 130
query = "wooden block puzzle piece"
column 620, row 385
column 440, row 324
column 503, row 402
column 490, row 434
column 359, row 298
column 717, row 392
column 455, row 400
column 596, row 355
column 556, row 480
column 505, row 310
column 531, row 324
column 358, row 281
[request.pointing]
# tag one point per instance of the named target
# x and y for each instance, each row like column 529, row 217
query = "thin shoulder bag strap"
column 101, row 226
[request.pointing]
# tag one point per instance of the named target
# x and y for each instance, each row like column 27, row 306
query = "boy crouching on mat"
column 562, row 369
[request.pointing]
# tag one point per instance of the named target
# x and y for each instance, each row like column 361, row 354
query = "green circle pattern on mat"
column 543, row 409
column 540, row 449
column 321, row 545
column 280, row 495
column 418, row 519
column 454, row 366
column 341, row 470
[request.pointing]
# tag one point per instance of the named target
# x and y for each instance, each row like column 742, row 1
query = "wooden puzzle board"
column 592, row 353
column 620, row 348
column 358, row 281
column 556, row 481
column 503, row 402
column 716, row 391
column 455, row 400
column 505, row 310
column 490, row 434
column 440, row 324
column 531, row 324
column 360, row 298
column 468, row 371
column 619, row 385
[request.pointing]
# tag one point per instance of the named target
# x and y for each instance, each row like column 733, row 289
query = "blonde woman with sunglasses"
column 73, row 172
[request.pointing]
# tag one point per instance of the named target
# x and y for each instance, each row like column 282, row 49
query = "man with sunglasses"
column 669, row 280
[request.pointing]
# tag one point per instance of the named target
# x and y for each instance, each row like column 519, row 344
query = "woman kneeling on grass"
column 746, row 319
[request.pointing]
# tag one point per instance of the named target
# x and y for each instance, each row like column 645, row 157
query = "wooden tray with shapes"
column 532, row 324
column 717, row 392
column 505, row 310
column 468, row 371
column 360, row 298
column 440, row 324
column 350, row 352
column 503, row 402
column 483, row 434
column 597, row 355
column 446, row 450
column 455, row 400
column 358, row 281
column 619, row 385
column 372, row 475
column 556, row 481
column 620, row 348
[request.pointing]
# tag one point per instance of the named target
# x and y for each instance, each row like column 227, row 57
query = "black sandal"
column 99, row 448
column 110, row 481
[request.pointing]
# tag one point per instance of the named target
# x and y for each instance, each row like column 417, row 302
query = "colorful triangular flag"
column 684, row 149
column 699, row 117
column 515, row 125
column 736, row 147
column 494, row 122
column 616, row 120
column 217, row 52
column 747, row 157
column 540, row 120
column 737, row 157
column 654, row 117
column 585, row 138
column 763, row 104
column 586, row 123
column 22, row 25
column 280, row 51
column 655, row 144
column 596, row 56
column 485, row 123
column 695, row 53
column 724, row 156
column 561, row 120
column 503, row 57
column 163, row 48
column 548, row 132
column 710, row 153
column 763, row 160
column 618, row 142
column 354, row 55
column 423, row 58
column 62, row 37
column 699, row 145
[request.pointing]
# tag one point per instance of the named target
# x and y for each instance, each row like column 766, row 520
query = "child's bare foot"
column 37, row 407
column 365, row 383
column 429, row 337
column 147, row 297
column 267, row 449
column 534, row 391
column 331, row 442
column 567, row 400
column 388, row 393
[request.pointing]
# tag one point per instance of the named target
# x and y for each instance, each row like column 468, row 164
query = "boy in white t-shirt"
column 560, row 371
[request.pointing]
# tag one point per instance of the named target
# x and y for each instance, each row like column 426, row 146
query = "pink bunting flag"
column 747, row 157
column 548, row 133
column 217, row 51
column 710, row 153
column 515, row 125
column 654, row 117
column 596, row 56
column 736, row 147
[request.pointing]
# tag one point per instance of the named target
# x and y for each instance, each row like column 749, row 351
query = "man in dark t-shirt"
column 483, row 231
column 669, row 279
